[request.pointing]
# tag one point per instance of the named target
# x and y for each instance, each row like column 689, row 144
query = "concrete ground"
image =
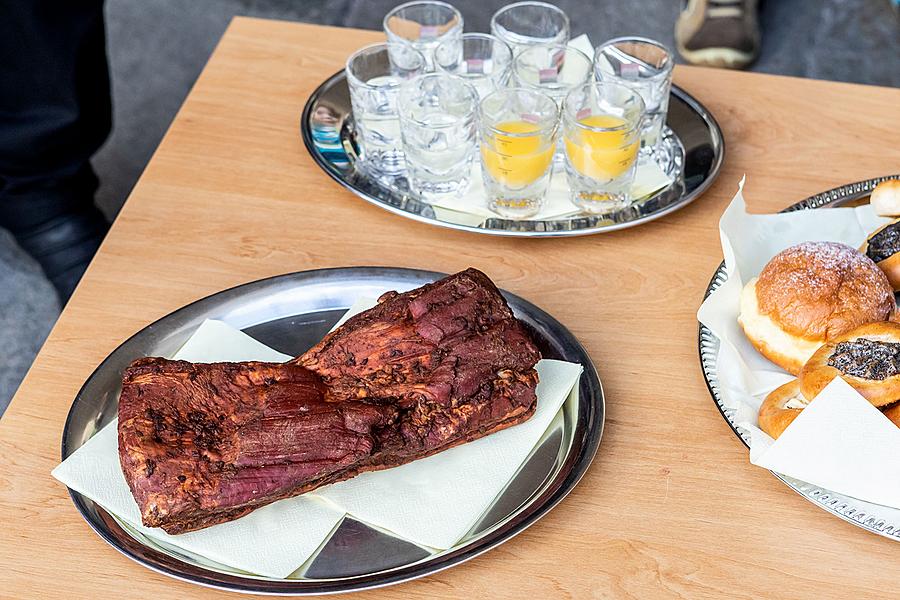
column 158, row 47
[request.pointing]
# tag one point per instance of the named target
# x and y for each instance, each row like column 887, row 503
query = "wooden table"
column 670, row 508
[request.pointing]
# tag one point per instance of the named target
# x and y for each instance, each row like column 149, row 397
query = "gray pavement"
column 158, row 47
column 28, row 309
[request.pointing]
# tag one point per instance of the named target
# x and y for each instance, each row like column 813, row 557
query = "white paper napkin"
column 277, row 539
column 648, row 179
column 841, row 443
column 745, row 376
column 459, row 484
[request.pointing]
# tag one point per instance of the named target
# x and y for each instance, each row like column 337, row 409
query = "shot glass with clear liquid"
column 552, row 69
column 518, row 130
column 424, row 25
column 481, row 59
column 525, row 24
column 437, row 124
column 374, row 76
column 645, row 66
column 601, row 134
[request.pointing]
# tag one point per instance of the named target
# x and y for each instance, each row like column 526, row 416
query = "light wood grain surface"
column 670, row 508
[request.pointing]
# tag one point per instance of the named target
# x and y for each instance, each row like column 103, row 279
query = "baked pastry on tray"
column 809, row 294
column 883, row 247
column 868, row 358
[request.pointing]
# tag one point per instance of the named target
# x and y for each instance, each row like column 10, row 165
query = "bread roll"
column 809, row 294
column 885, row 198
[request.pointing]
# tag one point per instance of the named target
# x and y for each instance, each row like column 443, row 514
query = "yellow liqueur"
column 605, row 154
column 516, row 160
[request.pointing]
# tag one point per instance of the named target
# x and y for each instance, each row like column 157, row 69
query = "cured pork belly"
column 425, row 370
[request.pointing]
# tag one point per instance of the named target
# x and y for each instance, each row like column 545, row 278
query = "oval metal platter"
column 290, row 313
column 876, row 518
column 693, row 136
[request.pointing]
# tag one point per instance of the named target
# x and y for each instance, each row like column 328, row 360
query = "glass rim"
column 351, row 76
column 670, row 58
column 534, row 47
column 471, row 36
column 552, row 126
column 507, row 8
column 596, row 84
column 515, row 65
column 473, row 93
column 399, row 7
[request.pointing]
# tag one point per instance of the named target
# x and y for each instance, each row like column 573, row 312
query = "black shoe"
column 56, row 222
column 64, row 246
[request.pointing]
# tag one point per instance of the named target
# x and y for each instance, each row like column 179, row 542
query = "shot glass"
column 645, row 66
column 518, row 137
column 482, row 60
column 553, row 69
column 374, row 76
column 424, row 25
column 438, row 125
column 526, row 24
column 601, row 130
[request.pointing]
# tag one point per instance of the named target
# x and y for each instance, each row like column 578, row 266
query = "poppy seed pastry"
column 883, row 247
column 868, row 358
column 808, row 294
column 781, row 407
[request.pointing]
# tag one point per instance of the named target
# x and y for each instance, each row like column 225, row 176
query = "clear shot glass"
column 481, row 59
column 645, row 66
column 524, row 24
column 374, row 76
column 601, row 135
column 518, row 130
column 424, row 25
column 438, row 127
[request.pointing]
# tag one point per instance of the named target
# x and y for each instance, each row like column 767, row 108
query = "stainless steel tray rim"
column 712, row 125
column 852, row 510
column 577, row 461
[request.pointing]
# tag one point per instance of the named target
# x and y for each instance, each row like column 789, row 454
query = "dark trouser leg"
column 54, row 114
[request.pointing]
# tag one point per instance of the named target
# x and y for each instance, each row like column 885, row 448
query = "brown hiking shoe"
column 718, row 33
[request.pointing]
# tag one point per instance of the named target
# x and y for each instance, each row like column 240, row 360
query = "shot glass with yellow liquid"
column 602, row 136
column 518, row 137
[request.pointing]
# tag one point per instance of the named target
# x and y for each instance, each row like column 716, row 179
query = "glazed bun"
column 883, row 247
column 885, row 198
column 809, row 294
column 780, row 408
column 868, row 358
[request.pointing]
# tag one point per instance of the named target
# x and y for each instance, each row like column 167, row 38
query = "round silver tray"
column 876, row 518
column 692, row 133
column 290, row 313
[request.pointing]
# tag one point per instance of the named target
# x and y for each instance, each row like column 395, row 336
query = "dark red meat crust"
column 432, row 368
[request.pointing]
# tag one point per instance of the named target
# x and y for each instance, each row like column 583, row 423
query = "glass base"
column 516, row 208
column 430, row 191
column 599, row 203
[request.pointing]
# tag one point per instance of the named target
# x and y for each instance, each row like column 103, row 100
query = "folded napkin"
column 648, row 179
column 746, row 377
column 276, row 540
column 839, row 442
column 458, row 485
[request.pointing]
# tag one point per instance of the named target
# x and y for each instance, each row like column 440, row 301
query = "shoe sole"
column 725, row 58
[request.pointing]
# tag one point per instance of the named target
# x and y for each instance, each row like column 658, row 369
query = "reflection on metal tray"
column 693, row 136
column 290, row 313
column 876, row 518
